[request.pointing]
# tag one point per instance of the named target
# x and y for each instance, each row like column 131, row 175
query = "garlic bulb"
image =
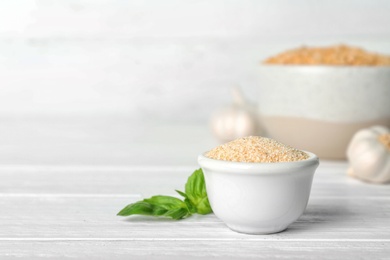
column 236, row 120
column 369, row 155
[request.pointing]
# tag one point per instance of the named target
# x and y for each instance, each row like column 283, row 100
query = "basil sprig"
column 195, row 201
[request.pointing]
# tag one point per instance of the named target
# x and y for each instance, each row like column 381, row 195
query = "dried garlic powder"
column 256, row 149
column 333, row 55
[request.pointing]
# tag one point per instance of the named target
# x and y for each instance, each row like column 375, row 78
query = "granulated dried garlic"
column 333, row 55
column 256, row 149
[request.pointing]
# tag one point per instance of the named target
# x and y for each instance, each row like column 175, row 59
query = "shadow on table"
column 319, row 216
column 143, row 219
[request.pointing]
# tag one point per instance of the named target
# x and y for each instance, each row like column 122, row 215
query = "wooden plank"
column 200, row 18
column 95, row 217
column 128, row 181
column 191, row 249
column 70, row 212
column 330, row 181
column 118, row 81
column 99, row 142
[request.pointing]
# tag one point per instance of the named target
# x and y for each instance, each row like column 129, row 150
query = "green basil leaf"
column 187, row 201
column 158, row 206
column 195, row 190
column 182, row 193
column 178, row 213
column 167, row 202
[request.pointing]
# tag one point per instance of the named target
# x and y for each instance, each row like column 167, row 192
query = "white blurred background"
column 147, row 62
column 166, row 61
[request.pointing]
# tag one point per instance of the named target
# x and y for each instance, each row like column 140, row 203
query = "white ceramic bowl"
column 320, row 108
column 258, row 198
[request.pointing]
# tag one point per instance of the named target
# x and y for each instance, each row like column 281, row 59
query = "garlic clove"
column 236, row 120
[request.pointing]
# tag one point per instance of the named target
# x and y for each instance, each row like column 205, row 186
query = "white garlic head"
column 237, row 120
column 369, row 155
column 232, row 122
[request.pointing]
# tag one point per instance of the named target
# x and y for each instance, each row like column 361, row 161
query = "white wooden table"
column 62, row 184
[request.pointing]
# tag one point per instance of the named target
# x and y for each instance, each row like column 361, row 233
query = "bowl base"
column 257, row 231
column 328, row 140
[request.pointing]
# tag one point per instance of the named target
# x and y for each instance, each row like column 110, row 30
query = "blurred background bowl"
column 319, row 108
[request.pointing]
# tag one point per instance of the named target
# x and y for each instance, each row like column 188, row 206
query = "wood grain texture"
column 71, row 213
column 172, row 62
column 95, row 218
column 192, row 18
column 196, row 249
column 132, row 69
column 99, row 142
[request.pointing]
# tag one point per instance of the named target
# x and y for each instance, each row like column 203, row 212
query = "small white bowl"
column 258, row 198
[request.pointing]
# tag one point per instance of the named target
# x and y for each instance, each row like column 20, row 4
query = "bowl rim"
column 253, row 168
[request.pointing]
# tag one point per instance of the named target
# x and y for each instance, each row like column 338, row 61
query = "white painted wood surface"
column 129, row 65
column 161, row 60
column 67, row 208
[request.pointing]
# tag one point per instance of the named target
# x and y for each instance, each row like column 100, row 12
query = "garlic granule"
column 256, row 149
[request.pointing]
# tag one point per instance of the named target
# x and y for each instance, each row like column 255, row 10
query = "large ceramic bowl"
column 319, row 108
column 258, row 198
